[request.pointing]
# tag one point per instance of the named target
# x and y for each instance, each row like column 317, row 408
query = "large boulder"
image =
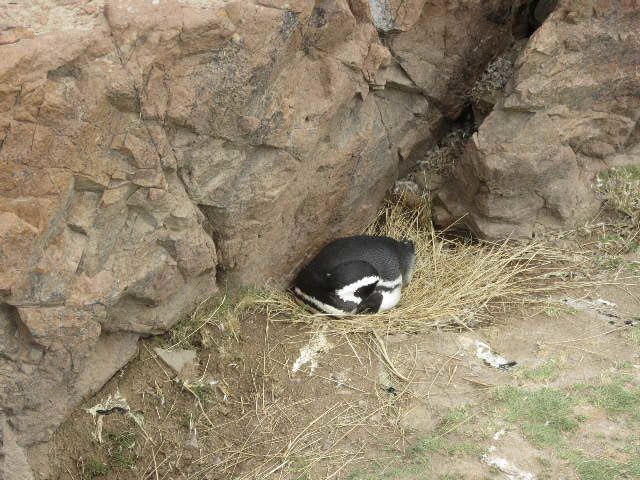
column 572, row 109
column 155, row 151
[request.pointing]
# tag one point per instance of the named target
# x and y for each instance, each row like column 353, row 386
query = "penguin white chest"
column 390, row 299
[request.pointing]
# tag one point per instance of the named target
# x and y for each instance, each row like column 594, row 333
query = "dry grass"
column 442, row 158
column 496, row 75
column 457, row 283
column 269, row 450
column 620, row 187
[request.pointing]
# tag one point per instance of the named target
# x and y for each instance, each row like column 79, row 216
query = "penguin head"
column 407, row 259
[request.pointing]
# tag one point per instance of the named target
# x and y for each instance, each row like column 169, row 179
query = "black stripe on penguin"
column 356, row 274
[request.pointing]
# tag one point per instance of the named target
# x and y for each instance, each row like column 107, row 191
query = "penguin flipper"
column 371, row 304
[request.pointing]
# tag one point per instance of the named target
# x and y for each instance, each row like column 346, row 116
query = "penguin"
column 358, row 274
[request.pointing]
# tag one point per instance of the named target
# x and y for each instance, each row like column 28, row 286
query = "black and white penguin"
column 357, row 274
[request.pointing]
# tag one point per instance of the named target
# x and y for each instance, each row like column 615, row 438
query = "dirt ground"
column 427, row 408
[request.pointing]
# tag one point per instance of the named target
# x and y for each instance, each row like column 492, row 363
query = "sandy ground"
column 432, row 409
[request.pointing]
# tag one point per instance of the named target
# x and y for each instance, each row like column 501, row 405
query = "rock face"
column 571, row 109
column 152, row 150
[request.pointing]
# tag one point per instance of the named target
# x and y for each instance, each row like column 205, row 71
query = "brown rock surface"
column 572, row 109
column 444, row 47
column 134, row 134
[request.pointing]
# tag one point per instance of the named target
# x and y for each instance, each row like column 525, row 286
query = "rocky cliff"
column 154, row 151
column 571, row 110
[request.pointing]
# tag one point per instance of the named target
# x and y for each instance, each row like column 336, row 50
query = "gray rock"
column 177, row 359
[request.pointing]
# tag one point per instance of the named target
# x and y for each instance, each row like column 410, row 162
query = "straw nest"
column 457, row 283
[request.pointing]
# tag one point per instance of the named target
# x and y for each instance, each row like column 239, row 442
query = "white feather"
column 347, row 293
column 391, row 283
column 320, row 305
column 390, row 299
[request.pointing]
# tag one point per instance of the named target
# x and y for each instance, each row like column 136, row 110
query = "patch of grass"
column 545, row 372
column 94, row 469
column 432, row 444
column 120, row 448
column 634, row 336
column 620, row 187
column 544, row 414
column 633, row 449
column 417, row 462
column 299, row 468
column 545, row 462
column 461, row 448
column 427, row 445
column 451, row 476
column 606, row 469
column 613, row 260
column 555, row 309
column 441, row 443
column 219, row 314
column 633, row 267
column 401, row 472
column 203, row 391
column 454, row 417
column 616, row 398
column 609, row 262
column 625, row 366
column 611, row 240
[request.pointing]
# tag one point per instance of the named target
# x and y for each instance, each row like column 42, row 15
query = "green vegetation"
column 547, row 420
column 620, row 187
column 609, row 262
column 120, row 448
column 625, row 366
column 616, row 398
column 605, row 469
column 417, row 462
column 451, row 476
column 299, row 468
column 439, row 441
column 203, row 391
column 403, row 472
column 612, row 242
column 214, row 320
column 94, row 469
column 633, row 267
column 546, row 417
column 454, row 418
column 549, row 370
column 555, row 309
column 437, row 444
column 544, row 414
